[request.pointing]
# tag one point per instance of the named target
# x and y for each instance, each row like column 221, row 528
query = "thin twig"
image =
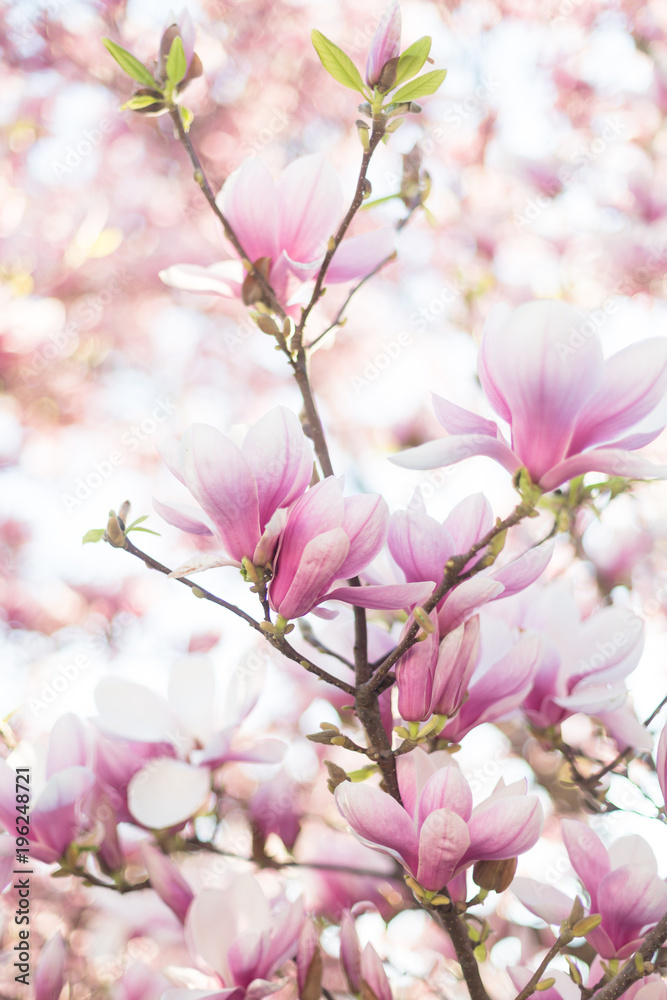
column 529, row 988
column 448, row 918
column 630, row 973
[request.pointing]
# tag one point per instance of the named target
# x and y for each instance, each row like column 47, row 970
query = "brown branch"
column 450, row 579
column 379, row 124
column 629, row 974
column 450, row 920
column 278, row 642
column 193, row 845
column 529, row 988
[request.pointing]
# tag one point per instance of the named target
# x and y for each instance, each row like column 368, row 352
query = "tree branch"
column 630, row 973
column 448, row 918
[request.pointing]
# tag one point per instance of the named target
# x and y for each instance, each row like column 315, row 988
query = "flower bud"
column 588, row 924
column 309, row 963
column 494, row 876
column 545, row 984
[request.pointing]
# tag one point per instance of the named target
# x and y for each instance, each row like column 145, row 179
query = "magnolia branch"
column 278, row 642
column 451, row 577
column 450, row 920
column 635, row 968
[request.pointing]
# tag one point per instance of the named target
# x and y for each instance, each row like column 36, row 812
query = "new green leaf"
column 412, row 60
column 140, row 101
column 176, row 62
column 421, row 87
column 129, row 64
column 94, row 535
column 337, row 64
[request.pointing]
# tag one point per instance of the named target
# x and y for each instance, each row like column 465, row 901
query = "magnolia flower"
column 363, row 968
column 386, row 43
column 167, row 881
column 661, row 763
column 421, row 547
column 622, row 883
column 50, row 971
column 62, row 811
column 284, row 227
column 585, row 663
column 242, row 938
column 188, row 740
column 309, row 963
column 569, row 411
column 328, row 538
column 436, row 834
column 239, row 490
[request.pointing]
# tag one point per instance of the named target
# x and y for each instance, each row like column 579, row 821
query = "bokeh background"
column 547, row 152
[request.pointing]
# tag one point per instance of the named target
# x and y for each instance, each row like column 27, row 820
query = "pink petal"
column 358, row 256
column 413, row 771
column 379, row 822
column 167, row 881
column 588, row 856
column 307, row 948
column 385, row 44
column 373, row 974
column 546, row 902
column 446, row 789
column 505, row 828
column 661, row 762
column 350, row 952
column 294, row 592
column 443, row 841
column 630, row 899
column 419, row 545
column 69, row 744
column 611, row 461
column 525, row 570
column 224, row 278
column 458, row 421
column 220, row 479
column 625, row 728
column 608, row 647
column 382, row 598
column 450, row 450
column 633, row 383
column 50, row 969
column 469, row 522
column 500, row 690
column 310, row 205
column 250, row 202
column 133, row 712
column 457, row 659
column 281, row 459
column 284, row 934
column 465, row 600
column 183, row 516
column 414, row 678
column 365, row 522
column 543, row 388
column 167, row 793
column 56, row 819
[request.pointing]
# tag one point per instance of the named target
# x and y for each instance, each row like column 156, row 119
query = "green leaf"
column 187, row 117
column 140, row 101
column 139, row 520
column 130, row 64
column 94, row 535
column 176, row 62
column 412, row 60
column 337, row 64
column 421, row 87
column 147, row 530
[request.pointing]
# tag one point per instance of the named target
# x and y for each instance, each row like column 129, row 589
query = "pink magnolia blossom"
column 239, row 490
column 585, row 663
column 386, row 43
column 436, row 834
column 327, row 538
column 622, row 884
column 188, row 742
column 62, row 811
column 241, row 938
column 569, row 410
column 363, row 969
column 308, row 959
column 287, row 223
column 167, row 881
column 421, row 547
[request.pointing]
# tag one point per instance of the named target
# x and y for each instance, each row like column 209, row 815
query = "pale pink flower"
column 239, row 490
column 307, row 953
column 569, row 410
column 363, row 969
column 436, row 834
column 50, row 969
column 287, row 223
column 622, row 884
column 661, row 763
column 241, row 937
column 386, row 43
column 167, row 881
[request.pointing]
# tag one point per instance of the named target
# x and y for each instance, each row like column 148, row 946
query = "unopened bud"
column 388, row 75
column 440, row 900
column 395, row 125
column 124, row 512
column 576, row 913
column 114, row 534
column 267, row 325
column 639, row 963
column 330, row 726
column 588, row 924
column 494, row 876
column 575, row 975
column 336, row 775
column 367, row 189
column 423, row 619
column 545, row 984
column 363, row 132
